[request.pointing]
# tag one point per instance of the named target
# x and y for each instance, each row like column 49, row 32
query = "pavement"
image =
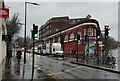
column 2, row 67
column 20, row 71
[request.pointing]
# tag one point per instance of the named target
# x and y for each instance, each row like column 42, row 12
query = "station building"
column 65, row 30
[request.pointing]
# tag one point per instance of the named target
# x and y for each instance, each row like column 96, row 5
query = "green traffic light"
column 98, row 37
column 36, row 35
column 78, row 42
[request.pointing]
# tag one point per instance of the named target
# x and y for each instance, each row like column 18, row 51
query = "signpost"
column 16, row 44
column 4, row 13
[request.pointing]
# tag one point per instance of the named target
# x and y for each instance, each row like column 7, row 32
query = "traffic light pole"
column 88, row 48
column 77, row 54
column 97, row 52
column 78, row 42
column 33, row 60
column 34, row 32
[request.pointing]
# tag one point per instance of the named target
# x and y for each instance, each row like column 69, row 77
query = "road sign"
column 4, row 13
column 16, row 44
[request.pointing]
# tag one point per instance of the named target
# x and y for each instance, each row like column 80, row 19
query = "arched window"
column 66, row 38
column 71, row 36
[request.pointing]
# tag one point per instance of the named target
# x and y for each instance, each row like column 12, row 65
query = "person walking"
column 19, row 53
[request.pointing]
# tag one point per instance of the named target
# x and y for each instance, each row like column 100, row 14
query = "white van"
column 54, row 49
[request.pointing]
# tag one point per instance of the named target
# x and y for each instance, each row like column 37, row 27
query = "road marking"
column 69, row 70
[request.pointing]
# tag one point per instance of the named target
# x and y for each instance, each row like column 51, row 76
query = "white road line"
column 69, row 70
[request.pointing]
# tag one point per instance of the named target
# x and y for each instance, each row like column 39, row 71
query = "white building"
column 3, row 31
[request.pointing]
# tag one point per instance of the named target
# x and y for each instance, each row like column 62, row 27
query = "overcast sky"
column 104, row 12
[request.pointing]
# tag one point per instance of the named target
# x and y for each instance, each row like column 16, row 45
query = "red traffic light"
column 107, row 28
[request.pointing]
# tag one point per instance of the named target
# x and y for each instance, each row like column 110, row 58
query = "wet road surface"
column 72, row 71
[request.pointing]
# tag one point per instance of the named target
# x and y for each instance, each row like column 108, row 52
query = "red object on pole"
column 4, row 13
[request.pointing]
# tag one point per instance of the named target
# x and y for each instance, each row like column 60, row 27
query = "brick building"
column 59, row 28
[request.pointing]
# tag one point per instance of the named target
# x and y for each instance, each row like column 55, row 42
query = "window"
column 53, row 39
column 43, row 47
column 50, row 31
column 94, row 32
column 49, row 40
column 50, row 26
column 78, row 20
column 71, row 36
column 56, row 30
column 73, row 21
column 90, row 32
column 84, row 31
column 66, row 38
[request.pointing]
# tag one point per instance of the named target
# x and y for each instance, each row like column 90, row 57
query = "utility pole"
column 98, row 33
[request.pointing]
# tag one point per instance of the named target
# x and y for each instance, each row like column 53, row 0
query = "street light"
column 25, row 28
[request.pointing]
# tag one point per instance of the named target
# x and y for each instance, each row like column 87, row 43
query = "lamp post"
column 25, row 28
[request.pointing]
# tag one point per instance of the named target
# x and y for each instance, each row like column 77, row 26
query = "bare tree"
column 13, row 26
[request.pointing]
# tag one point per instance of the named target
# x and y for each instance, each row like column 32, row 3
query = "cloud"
column 61, row 0
column 104, row 12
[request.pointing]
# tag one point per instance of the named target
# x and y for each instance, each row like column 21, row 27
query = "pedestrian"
column 8, row 58
column 19, row 53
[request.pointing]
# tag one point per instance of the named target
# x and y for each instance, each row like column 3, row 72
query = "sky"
column 106, row 12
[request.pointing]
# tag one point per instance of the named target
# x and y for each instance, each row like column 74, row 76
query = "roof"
column 59, row 18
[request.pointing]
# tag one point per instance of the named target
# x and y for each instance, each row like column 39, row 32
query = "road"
column 65, row 70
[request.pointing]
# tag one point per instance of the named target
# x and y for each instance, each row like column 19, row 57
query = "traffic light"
column 106, row 31
column 98, row 33
column 61, row 39
column 86, row 38
column 78, row 39
column 35, row 31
